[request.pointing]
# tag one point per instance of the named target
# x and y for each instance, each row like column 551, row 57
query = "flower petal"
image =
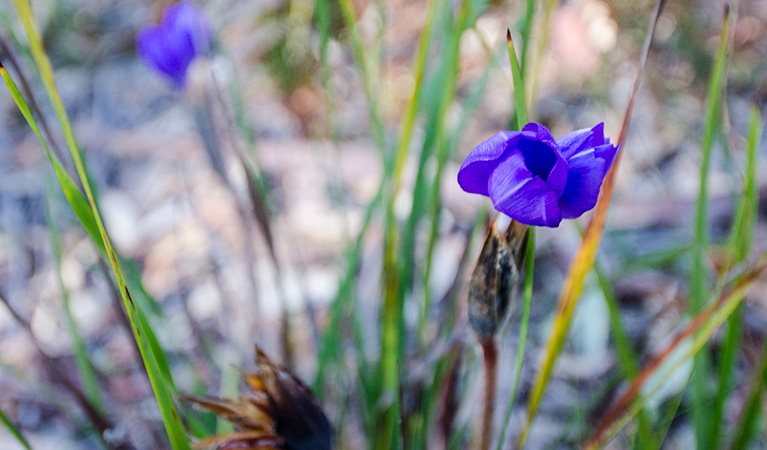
column 523, row 196
column 475, row 171
column 543, row 157
column 580, row 140
column 542, row 134
column 170, row 47
column 187, row 21
column 152, row 45
column 588, row 168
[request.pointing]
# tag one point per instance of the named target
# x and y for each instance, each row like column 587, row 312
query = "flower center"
column 539, row 158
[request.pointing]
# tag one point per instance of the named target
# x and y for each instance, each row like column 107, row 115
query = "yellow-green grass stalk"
column 427, row 205
column 685, row 345
column 705, row 427
column 585, row 257
column 84, row 365
column 159, row 381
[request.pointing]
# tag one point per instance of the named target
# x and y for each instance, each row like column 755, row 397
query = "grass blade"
column 15, row 432
column 742, row 239
column 84, row 365
column 521, row 114
column 519, row 88
column 748, row 427
column 627, row 357
column 707, row 424
column 162, row 391
column 526, row 301
column 696, row 334
column 584, row 259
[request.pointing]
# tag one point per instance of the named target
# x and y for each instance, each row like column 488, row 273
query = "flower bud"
column 496, row 277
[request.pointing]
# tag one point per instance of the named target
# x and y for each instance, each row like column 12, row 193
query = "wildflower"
column 170, row 47
column 536, row 180
column 279, row 413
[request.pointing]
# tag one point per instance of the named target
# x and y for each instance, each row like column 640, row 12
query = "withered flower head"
column 495, row 278
column 278, row 413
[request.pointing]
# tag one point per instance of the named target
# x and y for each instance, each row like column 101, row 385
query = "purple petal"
column 475, row 171
column 541, row 133
column 579, row 140
column 187, row 21
column 152, row 46
column 588, row 168
column 170, row 47
column 523, row 196
column 543, row 158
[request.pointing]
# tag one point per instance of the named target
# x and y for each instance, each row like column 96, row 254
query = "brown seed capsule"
column 278, row 413
column 495, row 278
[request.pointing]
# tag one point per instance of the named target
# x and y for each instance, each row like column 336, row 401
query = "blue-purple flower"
column 170, row 47
column 537, row 180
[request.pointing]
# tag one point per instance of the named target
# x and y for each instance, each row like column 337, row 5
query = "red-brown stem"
column 490, row 352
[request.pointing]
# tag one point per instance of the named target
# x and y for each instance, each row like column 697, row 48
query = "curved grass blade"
column 708, row 422
column 15, row 432
column 627, row 357
column 694, row 336
column 162, row 391
column 584, row 259
column 84, row 366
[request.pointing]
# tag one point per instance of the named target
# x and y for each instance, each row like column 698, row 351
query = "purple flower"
column 171, row 46
column 536, row 180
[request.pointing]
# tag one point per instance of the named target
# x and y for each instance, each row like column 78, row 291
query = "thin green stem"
column 705, row 430
column 526, row 302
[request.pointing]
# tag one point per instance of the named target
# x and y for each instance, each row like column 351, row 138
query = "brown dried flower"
column 278, row 413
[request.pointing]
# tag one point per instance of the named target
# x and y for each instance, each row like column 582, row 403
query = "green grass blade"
column 627, row 357
column 76, row 200
column 526, row 301
column 742, row 233
column 741, row 243
column 685, row 344
column 586, row 255
column 84, row 366
column 519, row 88
column 168, row 409
column 364, row 64
column 668, row 418
column 748, row 428
column 392, row 324
column 15, row 432
column 521, row 113
column 706, row 429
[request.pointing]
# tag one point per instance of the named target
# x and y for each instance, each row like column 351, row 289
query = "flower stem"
column 490, row 353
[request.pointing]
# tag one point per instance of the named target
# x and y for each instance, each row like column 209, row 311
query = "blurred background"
column 210, row 267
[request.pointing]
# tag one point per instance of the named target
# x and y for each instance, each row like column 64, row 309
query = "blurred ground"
column 169, row 211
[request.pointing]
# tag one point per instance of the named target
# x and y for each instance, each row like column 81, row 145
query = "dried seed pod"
column 496, row 277
column 279, row 413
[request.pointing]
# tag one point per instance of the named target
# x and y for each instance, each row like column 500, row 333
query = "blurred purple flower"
column 536, row 180
column 170, row 47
